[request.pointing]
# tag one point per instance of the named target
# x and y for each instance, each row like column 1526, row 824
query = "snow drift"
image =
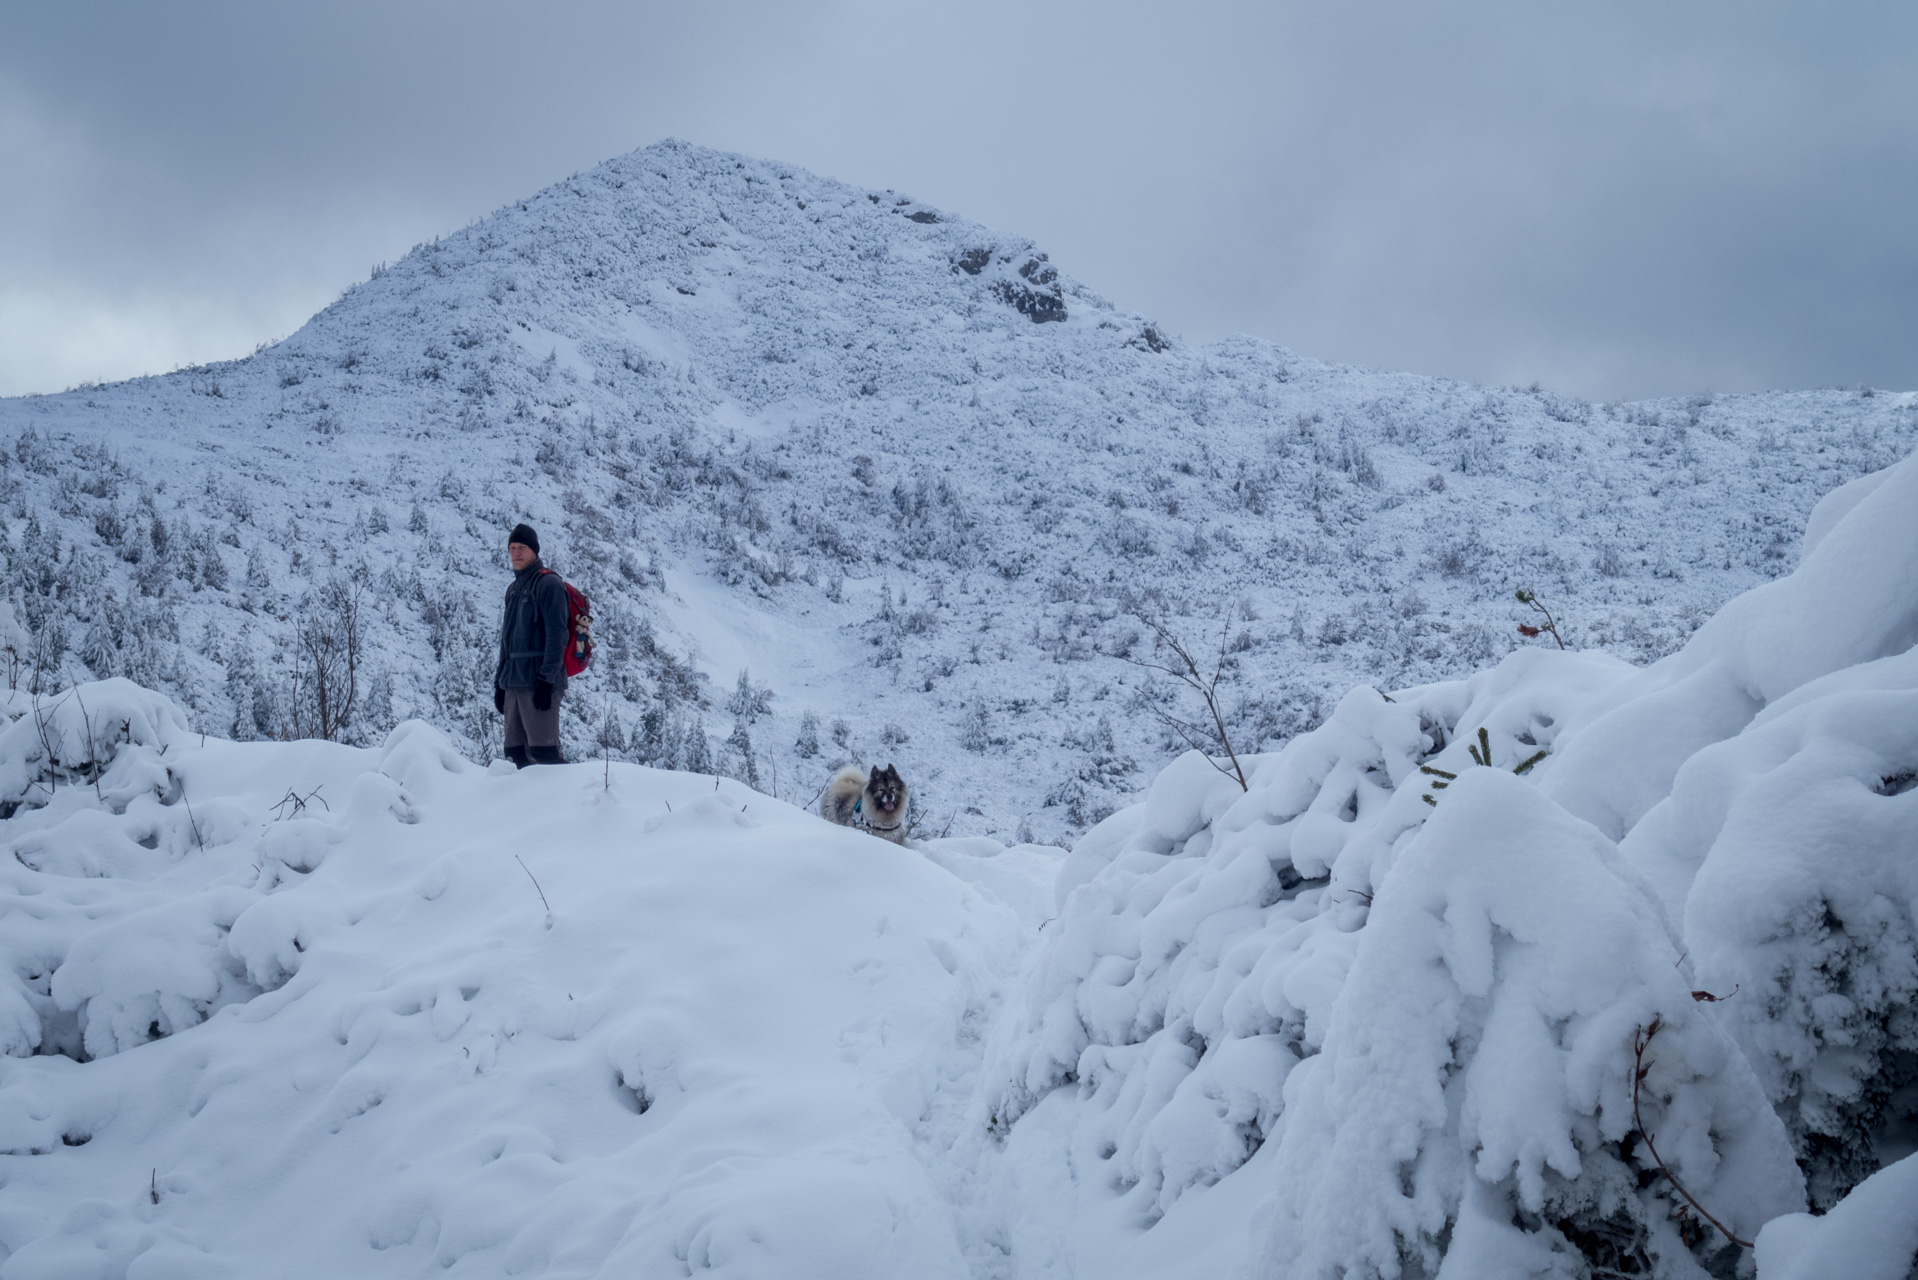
column 310, row 1009
column 1419, row 962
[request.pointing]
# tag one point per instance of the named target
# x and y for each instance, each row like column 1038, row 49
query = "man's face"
column 520, row 554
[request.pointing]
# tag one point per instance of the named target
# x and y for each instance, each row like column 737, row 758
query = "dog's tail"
column 840, row 803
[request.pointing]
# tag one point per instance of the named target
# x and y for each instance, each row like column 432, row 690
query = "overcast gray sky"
column 1618, row 200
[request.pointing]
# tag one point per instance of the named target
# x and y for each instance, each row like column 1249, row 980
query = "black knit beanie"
column 523, row 534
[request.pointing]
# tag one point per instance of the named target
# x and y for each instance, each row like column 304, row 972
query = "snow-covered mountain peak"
column 892, row 464
column 660, row 256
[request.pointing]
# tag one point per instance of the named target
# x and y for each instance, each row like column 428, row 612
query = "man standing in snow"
column 531, row 677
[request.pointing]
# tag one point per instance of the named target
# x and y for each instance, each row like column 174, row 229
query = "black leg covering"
column 547, row 755
column 518, row 756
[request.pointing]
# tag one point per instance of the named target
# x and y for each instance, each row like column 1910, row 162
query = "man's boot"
column 518, row 756
column 547, row 755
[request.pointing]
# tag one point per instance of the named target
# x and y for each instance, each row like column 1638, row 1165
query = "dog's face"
column 887, row 790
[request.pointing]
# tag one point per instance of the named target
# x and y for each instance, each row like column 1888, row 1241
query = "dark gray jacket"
column 532, row 636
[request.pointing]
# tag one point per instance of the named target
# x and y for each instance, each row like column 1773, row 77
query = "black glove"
column 542, row 696
column 499, row 699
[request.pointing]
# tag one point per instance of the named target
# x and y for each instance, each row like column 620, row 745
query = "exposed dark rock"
column 1151, row 339
column 1038, row 299
column 1031, row 303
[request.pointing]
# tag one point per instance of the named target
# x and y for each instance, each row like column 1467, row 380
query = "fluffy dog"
column 877, row 803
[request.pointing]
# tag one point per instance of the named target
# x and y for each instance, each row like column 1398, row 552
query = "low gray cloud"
column 1621, row 200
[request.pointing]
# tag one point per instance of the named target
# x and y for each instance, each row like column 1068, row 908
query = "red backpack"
column 579, row 627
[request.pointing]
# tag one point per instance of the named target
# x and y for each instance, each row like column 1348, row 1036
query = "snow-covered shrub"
column 1425, row 978
column 1205, row 916
column 111, row 802
column 1473, row 1099
column 75, row 737
column 90, row 764
column 341, row 1030
column 1772, row 758
column 156, row 972
column 1851, row 600
column 1799, row 839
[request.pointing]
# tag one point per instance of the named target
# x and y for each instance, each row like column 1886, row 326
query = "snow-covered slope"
column 888, row 460
column 1480, row 978
column 423, row 1017
column 1473, row 979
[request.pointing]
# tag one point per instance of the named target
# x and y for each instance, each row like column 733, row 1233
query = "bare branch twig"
column 1641, row 1041
column 40, row 722
column 535, row 879
column 1186, row 670
column 93, row 765
column 299, row 802
column 1528, row 597
column 191, row 820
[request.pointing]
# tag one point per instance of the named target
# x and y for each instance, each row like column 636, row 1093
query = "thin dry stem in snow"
column 299, row 802
column 40, row 721
column 1641, row 1041
column 192, row 821
column 93, row 765
column 536, row 889
column 1528, row 597
column 1186, row 670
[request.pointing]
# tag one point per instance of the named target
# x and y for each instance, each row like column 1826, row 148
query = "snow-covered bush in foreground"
column 1475, row 1086
column 1419, row 978
column 75, row 737
column 1804, row 834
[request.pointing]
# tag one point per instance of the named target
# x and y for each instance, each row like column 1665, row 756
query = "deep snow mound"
column 310, row 1009
column 1871, row 1235
column 897, row 465
column 1418, row 965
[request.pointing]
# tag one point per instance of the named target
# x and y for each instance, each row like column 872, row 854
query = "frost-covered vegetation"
column 305, row 1009
column 1480, row 961
column 1569, row 968
column 1419, row 963
column 891, row 462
